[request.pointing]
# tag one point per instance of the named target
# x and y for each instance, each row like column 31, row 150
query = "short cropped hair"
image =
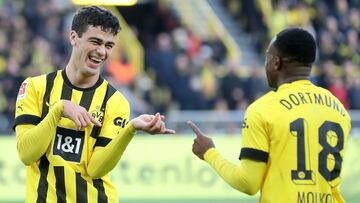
column 296, row 44
column 95, row 16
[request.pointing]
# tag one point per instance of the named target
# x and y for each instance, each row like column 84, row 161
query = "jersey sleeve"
column 245, row 177
column 255, row 141
column 27, row 106
column 118, row 115
column 114, row 137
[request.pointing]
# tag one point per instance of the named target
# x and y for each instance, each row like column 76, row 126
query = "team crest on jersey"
column 98, row 114
column 22, row 91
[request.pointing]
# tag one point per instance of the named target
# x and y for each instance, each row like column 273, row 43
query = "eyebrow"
column 100, row 40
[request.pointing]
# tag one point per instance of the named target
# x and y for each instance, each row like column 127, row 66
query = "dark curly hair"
column 296, row 44
column 95, row 16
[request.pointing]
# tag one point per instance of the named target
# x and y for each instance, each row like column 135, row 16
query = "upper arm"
column 27, row 104
column 116, row 118
column 255, row 139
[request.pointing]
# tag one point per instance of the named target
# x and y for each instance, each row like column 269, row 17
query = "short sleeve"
column 255, row 141
column 27, row 108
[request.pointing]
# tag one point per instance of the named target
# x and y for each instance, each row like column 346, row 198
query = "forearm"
column 33, row 141
column 245, row 177
column 105, row 159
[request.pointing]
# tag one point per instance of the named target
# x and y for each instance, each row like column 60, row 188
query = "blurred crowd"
column 335, row 25
column 182, row 70
column 32, row 41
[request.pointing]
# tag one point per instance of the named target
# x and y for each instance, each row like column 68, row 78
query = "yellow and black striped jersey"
column 60, row 175
column 301, row 132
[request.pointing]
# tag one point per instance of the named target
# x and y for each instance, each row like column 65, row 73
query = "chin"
column 92, row 71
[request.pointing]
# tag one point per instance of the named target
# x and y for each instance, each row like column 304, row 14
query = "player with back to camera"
column 71, row 125
column 293, row 138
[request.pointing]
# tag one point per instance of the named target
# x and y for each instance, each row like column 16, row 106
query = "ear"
column 73, row 36
column 277, row 62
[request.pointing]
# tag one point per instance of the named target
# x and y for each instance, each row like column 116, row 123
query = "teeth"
column 95, row 59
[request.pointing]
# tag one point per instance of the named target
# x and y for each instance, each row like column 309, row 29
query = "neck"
column 80, row 78
column 292, row 74
column 292, row 79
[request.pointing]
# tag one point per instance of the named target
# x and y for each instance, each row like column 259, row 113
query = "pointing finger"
column 196, row 129
column 95, row 122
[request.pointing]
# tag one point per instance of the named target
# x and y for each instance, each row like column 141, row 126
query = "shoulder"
column 35, row 82
column 117, row 99
column 262, row 102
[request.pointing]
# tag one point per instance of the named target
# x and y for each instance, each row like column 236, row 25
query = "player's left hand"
column 202, row 143
column 153, row 124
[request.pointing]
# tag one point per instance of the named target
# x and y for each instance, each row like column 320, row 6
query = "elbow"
column 25, row 158
column 94, row 174
column 250, row 191
column 247, row 189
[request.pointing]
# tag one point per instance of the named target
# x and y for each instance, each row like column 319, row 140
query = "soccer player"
column 293, row 138
column 71, row 125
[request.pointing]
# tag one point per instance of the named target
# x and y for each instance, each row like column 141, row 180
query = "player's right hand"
column 78, row 115
column 202, row 143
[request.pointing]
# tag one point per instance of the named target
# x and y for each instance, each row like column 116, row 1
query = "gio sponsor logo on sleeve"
column 22, row 91
column 118, row 121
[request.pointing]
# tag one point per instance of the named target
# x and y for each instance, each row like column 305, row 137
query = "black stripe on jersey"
column 81, row 189
column 26, row 119
column 86, row 99
column 95, row 132
column 43, row 184
column 49, row 85
column 102, row 141
column 66, row 92
column 110, row 90
column 60, row 184
column 254, row 154
column 99, row 185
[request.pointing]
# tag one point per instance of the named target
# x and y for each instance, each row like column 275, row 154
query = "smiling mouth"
column 95, row 59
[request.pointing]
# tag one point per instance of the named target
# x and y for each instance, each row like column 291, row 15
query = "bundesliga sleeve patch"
column 22, row 91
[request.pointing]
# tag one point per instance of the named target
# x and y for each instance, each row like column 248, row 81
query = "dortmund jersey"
column 301, row 132
column 60, row 175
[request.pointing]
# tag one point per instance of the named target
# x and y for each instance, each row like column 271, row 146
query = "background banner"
column 164, row 168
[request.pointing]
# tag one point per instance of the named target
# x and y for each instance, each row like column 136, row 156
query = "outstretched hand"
column 202, row 143
column 153, row 124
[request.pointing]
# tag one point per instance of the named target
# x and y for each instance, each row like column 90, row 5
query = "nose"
column 101, row 50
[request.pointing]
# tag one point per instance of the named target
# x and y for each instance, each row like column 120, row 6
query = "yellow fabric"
column 245, row 177
column 30, row 135
column 70, row 154
column 304, row 130
column 105, row 159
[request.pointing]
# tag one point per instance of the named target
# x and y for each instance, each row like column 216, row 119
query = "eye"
column 108, row 46
column 95, row 42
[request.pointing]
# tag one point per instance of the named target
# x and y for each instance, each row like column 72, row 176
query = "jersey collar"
column 67, row 82
column 299, row 82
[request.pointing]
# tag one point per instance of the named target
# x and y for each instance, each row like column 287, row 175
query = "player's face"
column 92, row 49
column 271, row 65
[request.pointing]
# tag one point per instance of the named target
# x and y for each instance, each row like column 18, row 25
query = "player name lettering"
column 315, row 197
column 302, row 98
